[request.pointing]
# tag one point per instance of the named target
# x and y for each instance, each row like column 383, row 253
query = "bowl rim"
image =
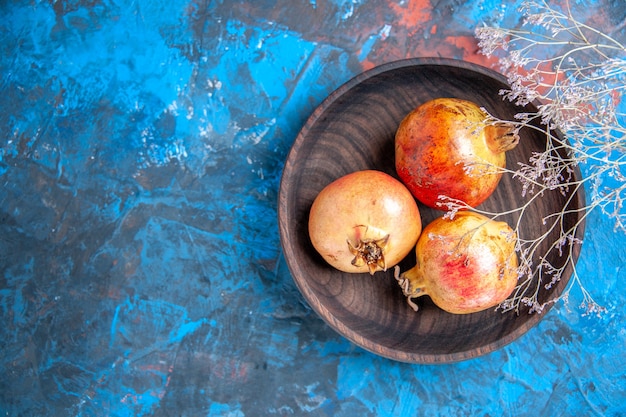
column 312, row 299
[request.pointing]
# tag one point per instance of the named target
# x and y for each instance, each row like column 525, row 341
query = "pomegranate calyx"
column 369, row 252
column 501, row 136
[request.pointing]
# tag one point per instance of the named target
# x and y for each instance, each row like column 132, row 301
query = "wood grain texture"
column 353, row 129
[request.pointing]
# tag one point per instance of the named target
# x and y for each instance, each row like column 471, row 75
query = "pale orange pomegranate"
column 465, row 265
column 366, row 221
column 444, row 147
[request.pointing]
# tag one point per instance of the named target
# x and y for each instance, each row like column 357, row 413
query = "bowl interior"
column 353, row 129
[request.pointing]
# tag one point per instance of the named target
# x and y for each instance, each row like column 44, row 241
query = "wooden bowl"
column 353, row 129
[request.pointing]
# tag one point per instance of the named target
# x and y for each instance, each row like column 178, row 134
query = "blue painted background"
column 141, row 148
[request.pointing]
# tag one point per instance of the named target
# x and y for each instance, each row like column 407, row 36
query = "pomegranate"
column 365, row 221
column 444, row 147
column 465, row 264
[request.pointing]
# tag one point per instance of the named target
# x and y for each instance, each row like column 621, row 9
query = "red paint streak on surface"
column 367, row 64
column 467, row 46
column 544, row 80
column 616, row 97
column 414, row 14
column 417, row 31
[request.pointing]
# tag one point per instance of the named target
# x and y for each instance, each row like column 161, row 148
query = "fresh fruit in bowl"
column 465, row 264
column 366, row 221
column 447, row 147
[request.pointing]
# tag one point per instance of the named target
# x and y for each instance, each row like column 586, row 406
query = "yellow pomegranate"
column 366, row 221
column 465, row 264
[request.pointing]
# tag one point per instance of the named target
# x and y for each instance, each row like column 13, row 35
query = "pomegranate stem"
column 412, row 284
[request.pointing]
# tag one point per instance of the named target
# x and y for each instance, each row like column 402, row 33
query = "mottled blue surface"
column 141, row 147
